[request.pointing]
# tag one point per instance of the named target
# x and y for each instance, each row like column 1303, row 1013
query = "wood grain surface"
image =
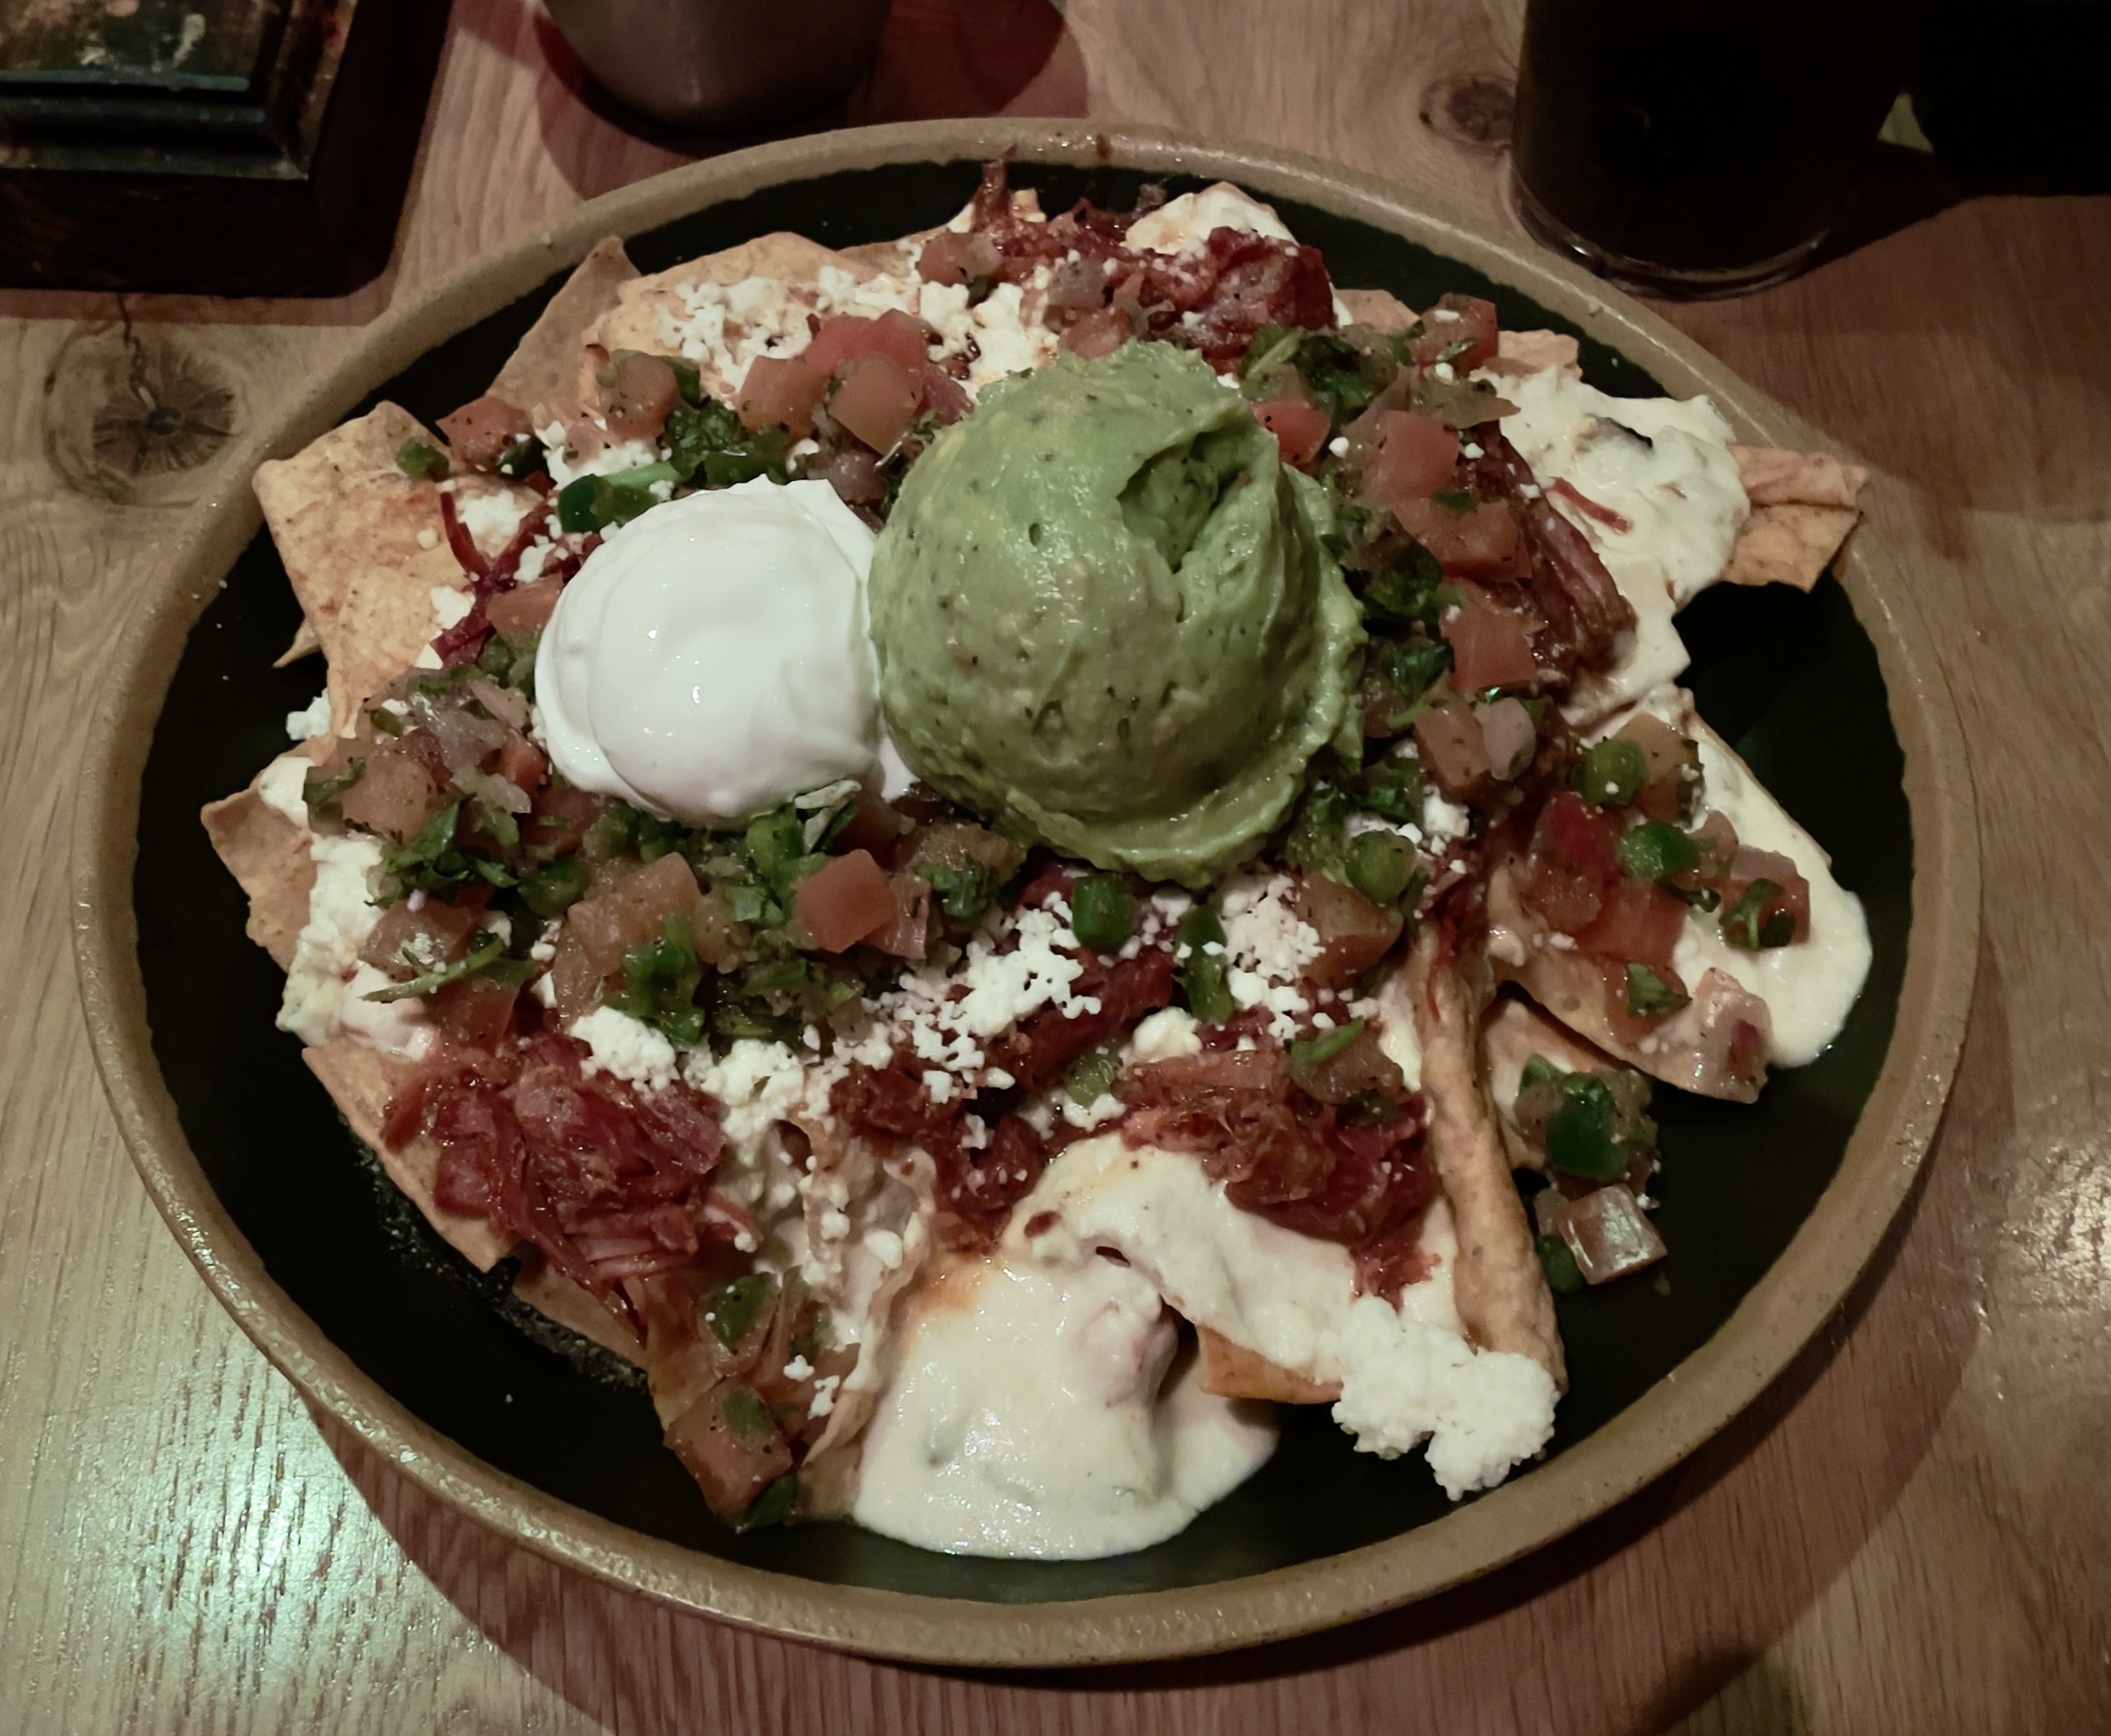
column 1910, row 1532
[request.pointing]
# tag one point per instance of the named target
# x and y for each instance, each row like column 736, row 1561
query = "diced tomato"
column 521, row 762
column 938, row 395
column 1300, row 430
column 516, row 614
column 407, row 943
column 474, row 1009
column 1489, row 646
column 1668, row 759
column 1482, row 541
column 909, row 934
column 640, row 391
column 875, row 825
column 1354, row 932
column 853, row 472
column 1099, row 332
column 1572, row 862
column 1416, row 455
column 1793, row 897
column 846, row 901
column 903, row 336
column 395, row 796
column 1452, row 746
column 953, row 256
column 1637, row 922
column 482, row 429
column 1465, row 341
column 876, row 402
column 557, row 824
column 731, row 1445
column 611, row 925
column 782, row 390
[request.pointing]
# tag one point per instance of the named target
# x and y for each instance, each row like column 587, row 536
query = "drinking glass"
column 1695, row 147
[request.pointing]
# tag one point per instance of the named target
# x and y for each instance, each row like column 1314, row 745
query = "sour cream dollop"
column 710, row 658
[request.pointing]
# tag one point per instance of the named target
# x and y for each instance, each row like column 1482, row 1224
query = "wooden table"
column 1908, row 1533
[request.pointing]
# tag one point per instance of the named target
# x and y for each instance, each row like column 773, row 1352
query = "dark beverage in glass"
column 1698, row 146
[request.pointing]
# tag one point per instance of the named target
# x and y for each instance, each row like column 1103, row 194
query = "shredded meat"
column 611, row 1184
column 1213, row 298
column 1286, row 1157
column 1568, row 584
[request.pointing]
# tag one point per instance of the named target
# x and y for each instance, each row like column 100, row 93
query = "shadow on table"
column 1750, row 1529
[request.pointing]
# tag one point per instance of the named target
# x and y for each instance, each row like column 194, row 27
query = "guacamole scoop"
column 1105, row 619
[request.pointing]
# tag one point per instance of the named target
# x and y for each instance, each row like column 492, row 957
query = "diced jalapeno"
column 1380, row 865
column 735, row 1306
column 1091, row 1075
column 1102, row 913
column 1610, row 773
column 421, row 460
column 1562, row 1276
column 1203, row 977
column 1579, row 1133
column 555, row 887
column 1654, row 849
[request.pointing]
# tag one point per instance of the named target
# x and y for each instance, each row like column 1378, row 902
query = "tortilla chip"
column 306, row 644
column 542, row 376
column 1379, row 309
column 1498, row 1285
column 360, row 1081
column 351, row 528
column 268, row 855
column 1789, row 545
column 550, row 1293
column 1572, row 989
column 1774, row 477
column 649, row 309
column 1231, row 1371
column 1529, row 352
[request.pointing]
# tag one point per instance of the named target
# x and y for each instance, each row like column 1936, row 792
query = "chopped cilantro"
column 486, row 953
column 1309, row 1053
column 1650, row 996
column 1747, row 923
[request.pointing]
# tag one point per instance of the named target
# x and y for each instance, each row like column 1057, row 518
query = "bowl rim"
column 1804, row 1287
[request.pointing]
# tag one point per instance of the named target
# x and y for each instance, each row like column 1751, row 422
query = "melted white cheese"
column 1191, row 219
column 1810, row 986
column 1406, row 1373
column 1663, row 465
column 1031, row 1416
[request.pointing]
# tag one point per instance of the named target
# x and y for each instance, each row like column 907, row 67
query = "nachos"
column 991, row 853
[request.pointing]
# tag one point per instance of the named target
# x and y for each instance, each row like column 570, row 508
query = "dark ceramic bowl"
column 1770, row 1211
